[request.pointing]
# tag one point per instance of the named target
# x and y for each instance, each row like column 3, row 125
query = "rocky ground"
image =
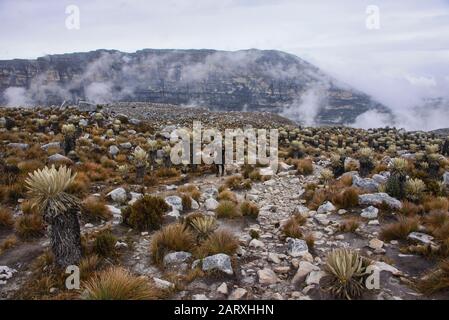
column 268, row 263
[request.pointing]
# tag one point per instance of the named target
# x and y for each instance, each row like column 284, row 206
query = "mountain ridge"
column 248, row 80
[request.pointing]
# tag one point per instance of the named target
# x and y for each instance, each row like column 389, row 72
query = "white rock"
column 195, row 205
column 220, row 261
column 420, row 237
column 175, row 202
column 163, row 284
column 303, row 271
column 377, row 199
column 370, row 213
column 314, row 277
column 113, row 150
column 267, row 276
column 223, row 288
column 118, row 195
column 326, row 207
column 238, row 294
column 376, row 244
column 211, row 204
column 322, row 219
column 274, row 257
column 296, row 247
column 255, row 243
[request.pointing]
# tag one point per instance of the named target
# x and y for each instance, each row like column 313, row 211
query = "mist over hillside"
column 246, row 80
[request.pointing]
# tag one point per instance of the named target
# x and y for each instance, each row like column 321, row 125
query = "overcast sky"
column 405, row 59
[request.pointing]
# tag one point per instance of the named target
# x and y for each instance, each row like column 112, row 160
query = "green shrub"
column 146, row 213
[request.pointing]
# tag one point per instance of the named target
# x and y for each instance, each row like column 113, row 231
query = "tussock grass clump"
column 345, row 270
column 439, row 203
column 80, row 185
column 237, row 183
column 104, row 243
column 437, row 223
column 6, row 218
column 191, row 190
column 221, row 241
column 249, row 209
column 167, row 173
column 318, row 198
column 94, row 209
column 117, row 283
column 8, row 243
column 400, row 229
column 28, row 207
column 345, row 180
column 305, row 166
column 348, row 198
column 146, row 213
column 173, row 237
column 435, row 281
column 349, row 224
column 227, row 195
column 95, row 171
column 88, row 265
column 255, row 175
column 309, row 238
column 11, row 193
column 29, row 226
column 186, row 202
column 292, row 228
column 227, row 209
column 409, row 209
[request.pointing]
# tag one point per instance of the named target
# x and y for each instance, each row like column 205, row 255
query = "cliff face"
column 243, row 80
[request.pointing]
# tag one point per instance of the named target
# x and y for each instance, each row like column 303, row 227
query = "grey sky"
column 403, row 61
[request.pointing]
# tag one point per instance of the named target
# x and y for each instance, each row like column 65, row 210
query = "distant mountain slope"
column 242, row 80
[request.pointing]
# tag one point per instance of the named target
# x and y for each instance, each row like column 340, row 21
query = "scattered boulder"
column 365, row 184
column 420, row 237
column 314, row 277
column 379, row 198
column 255, row 243
column 296, row 247
column 113, row 150
column 303, row 271
column 326, row 207
column 118, row 195
column 6, row 273
column 49, row 145
column 267, row 276
column 223, row 288
column 376, row 244
column 175, row 202
column 58, row 158
column 321, row 219
column 370, row 213
column 211, row 204
column 163, row 284
column 220, row 262
column 446, row 178
column 238, row 294
column 21, row 146
column 176, row 258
